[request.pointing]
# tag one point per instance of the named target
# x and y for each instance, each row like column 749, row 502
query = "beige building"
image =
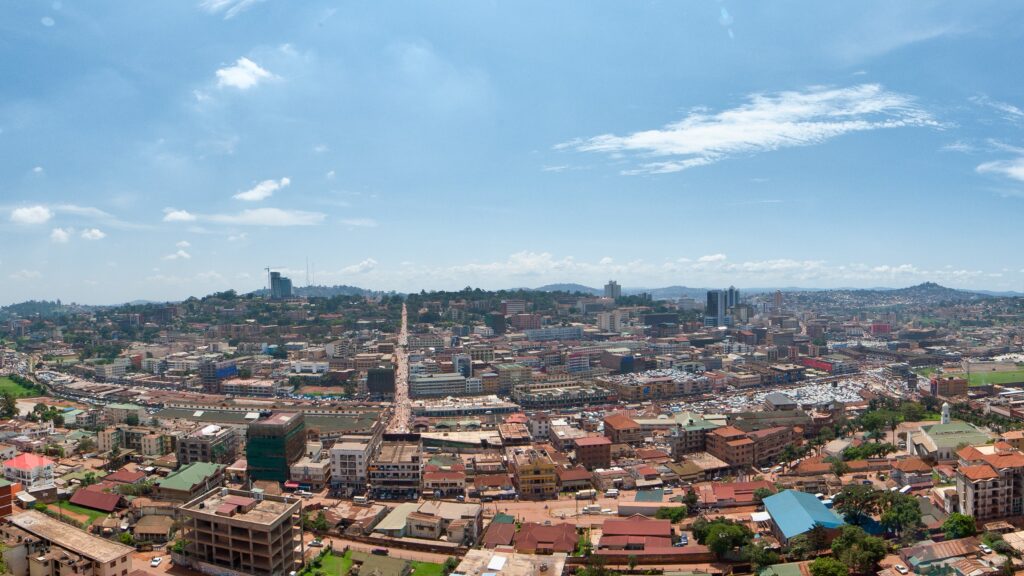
column 397, row 469
column 534, row 473
column 990, row 482
column 235, row 532
column 38, row 545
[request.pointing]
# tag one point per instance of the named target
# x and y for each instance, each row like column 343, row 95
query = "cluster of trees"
column 721, row 535
column 869, row 450
column 899, row 514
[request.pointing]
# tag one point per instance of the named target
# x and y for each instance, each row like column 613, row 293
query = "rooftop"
column 242, row 506
column 493, row 562
column 185, row 478
column 797, row 512
column 69, row 537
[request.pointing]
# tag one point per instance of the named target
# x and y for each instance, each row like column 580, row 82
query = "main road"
column 401, row 414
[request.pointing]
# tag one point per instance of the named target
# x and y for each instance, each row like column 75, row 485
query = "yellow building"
column 534, row 473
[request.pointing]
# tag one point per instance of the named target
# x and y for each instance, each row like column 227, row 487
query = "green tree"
column 724, row 537
column 857, row 503
column 8, row 405
column 675, row 514
column 761, row 493
column 828, row 567
column 860, row 552
column 126, row 539
column 837, row 466
column 760, row 556
column 449, row 566
column 901, row 514
column 959, row 526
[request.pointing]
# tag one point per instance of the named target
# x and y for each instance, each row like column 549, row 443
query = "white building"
column 30, row 470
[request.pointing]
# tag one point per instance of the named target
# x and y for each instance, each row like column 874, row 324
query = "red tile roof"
column 103, row 501
column 573, row 474
column 499, row 535
column 125, row 476
column 28, row 461
column 620, row 421
column 558, row 538
column 982, row 472
column 638, row 526
column 593, row 441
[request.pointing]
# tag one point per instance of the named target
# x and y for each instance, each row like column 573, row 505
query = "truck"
column 589, row 494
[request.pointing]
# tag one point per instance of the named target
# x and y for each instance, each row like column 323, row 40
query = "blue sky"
column 159, row 150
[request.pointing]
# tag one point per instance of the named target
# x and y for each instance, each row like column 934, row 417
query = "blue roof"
column 797, row 512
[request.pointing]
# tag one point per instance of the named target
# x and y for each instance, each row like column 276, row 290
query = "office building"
column 534, row 473
column 612, row 290
column 236, row 532
column 435, row 385
column 280, row 287
column 275, row 441
column 213, row 372
column 211, row 443
column 396, row 471
column 380, row 382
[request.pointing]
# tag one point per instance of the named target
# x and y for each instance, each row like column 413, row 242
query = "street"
column 401, row 415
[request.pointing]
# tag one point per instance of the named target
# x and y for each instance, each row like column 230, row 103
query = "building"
column 612, row 290
column 46, row 546
column 32, row 471
column 513, row 377
column 938, row 442
column 533, row 472
column 280, row 287
column 794, row 513
column 622, row 429
column 458, row 523
column 534, row 538
column 554, row 333
column 502, row 563
column 8, row 494
column 186, row 483
column 437, row 385
column 593, row 451
column 275, row 441
column 211, row 443
column 948, row 386
column 350, row 460
column 396, row 471
column 213, row 372
column 990, row 482
column 741, row 449
column 690, row 436
column 380, row 382
column 235, row 532
column 312, row 471
column 124, row 414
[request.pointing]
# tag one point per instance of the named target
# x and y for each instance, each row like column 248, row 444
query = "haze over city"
column 160, row 151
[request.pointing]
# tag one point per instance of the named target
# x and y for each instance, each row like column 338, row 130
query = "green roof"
column 185, row 478
column 955, row 433
column 502, row 518
column 789, row 569
column 656, row 495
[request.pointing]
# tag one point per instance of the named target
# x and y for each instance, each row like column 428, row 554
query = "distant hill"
column 327, row 291
column 570, row 288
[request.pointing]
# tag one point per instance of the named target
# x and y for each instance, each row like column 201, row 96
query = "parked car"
column 155, row 562
column 901, row 569
column 985, row 548
column 315, row 543
column 380, row 551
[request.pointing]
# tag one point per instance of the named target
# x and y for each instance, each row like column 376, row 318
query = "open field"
column 84, row 515
column 993, row 377
column 14, row 389
column 426, row 569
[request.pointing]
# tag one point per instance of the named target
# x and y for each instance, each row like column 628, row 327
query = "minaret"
column 945, row 412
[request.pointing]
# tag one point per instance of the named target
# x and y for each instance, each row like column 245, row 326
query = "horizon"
column 402, row 148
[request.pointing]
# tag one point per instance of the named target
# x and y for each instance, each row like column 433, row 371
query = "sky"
column 161, row 150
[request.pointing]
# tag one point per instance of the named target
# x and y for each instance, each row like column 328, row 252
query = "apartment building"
column 124, row 414
column 211, row 443
column 740, row 449
column 533, row 472
column 593, row 451
column 350, row 460
column 32, row 471
column 313, row 470
column 513, row 377
column 236, row 532
column 990, row 482
column 437, row 385
column 396, row 471
column 622, row 429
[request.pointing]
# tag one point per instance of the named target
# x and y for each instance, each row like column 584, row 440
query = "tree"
column 901, row 514
column 723, row 537
column 858, row 551
column 8, row 405
column 761, row 493
column 595, row 567
column 856, row 502
column 126, row 539
column 632, row 560
column 450, row 564
column 800, row 548
column 959, row 526
column 759, row 555
column 828, row 567
column 838, row 467
column 691, row 500
column 676, row 514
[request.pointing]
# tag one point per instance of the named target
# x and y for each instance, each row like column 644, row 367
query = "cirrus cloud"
column 766, row 122
column 262, row 190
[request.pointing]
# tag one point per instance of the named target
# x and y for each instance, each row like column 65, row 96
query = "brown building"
column 239, row 532
column 593, row 451
column 739, row 448
column 622, row 429
column 948, row 386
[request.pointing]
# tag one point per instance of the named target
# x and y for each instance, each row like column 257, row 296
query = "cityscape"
column 465, row 288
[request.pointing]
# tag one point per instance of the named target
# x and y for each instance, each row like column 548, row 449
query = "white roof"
column 760, row 516
column 496, row 563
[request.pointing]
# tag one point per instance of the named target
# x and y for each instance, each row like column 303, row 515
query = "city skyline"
column 402, row 147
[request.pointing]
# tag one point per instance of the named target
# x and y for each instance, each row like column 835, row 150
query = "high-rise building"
column 719, row 302
column 211, row 443
column 463, row 364
column 612, row 290
column 275, row 442
column 778, row 301
column 732, row 297
column 280, row 287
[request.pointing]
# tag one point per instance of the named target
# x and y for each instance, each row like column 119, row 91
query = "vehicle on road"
column 155, row 562
column 315, row 543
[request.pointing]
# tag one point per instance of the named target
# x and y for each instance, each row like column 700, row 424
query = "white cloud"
column 243, row 75
column 25, row 275
column 31, row 215
column 360, row 222
column 172, row 215
column 183, row 244
column 712, row 258
column 330, row 174
column 764, row 123
column 269, row 217
column 1008, row 111
column 230, row 8
column 37, row 170
column 61, row 235
column 363, row 267
column 1007, row 168
column 93, row 234
column 179, row 255
column 262, row 190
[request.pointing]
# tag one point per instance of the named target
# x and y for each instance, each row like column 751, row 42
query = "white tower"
column 945, row 412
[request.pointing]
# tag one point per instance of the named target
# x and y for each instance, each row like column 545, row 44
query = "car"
column 985, row 548
column 380, row 551
column 315, row 543
column 901, row 569
column 155, row 562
